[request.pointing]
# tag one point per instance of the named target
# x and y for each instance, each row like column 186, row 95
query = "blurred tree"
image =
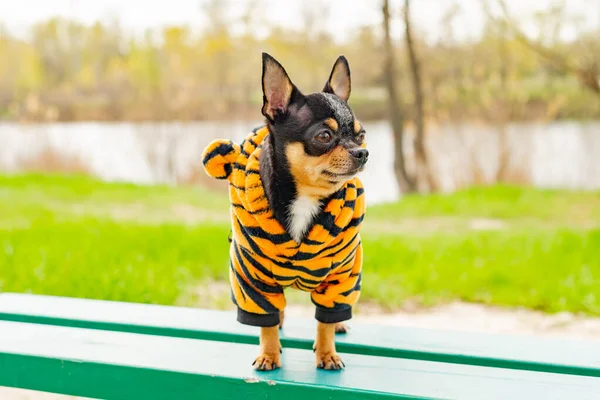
column 586, row 69
column 405, row 182
column 423, row 178
column 218, row 48
column 314, row 41
column 248, row 54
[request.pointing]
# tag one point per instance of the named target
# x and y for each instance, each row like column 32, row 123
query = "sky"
column 345, row 16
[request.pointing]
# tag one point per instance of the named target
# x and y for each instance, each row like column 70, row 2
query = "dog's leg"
column 341, row 327
column 327, row 357
column 281, row 318
column 270, row 350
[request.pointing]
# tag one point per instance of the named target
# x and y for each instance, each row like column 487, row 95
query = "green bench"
column 115, row 350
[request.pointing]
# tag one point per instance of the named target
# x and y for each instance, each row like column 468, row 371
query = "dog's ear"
column 277, row 88
column 339, row 79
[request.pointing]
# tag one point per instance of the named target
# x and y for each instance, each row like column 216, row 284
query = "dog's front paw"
column 341, row 327
column 329, row 360
column 267, row 362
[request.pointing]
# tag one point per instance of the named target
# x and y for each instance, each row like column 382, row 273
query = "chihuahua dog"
column 297, row 208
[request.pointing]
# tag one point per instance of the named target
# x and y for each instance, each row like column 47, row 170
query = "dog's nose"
column 361, row 155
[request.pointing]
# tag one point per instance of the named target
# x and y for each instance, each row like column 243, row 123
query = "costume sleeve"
column 218, row 158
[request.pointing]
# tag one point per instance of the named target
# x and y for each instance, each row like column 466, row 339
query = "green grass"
column 76, row 236
column 549, row 271
column 504, row 202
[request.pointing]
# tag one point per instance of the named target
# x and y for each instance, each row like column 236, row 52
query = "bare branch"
column 588, row 76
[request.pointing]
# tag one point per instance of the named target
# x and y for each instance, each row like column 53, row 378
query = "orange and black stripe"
column 264, row 259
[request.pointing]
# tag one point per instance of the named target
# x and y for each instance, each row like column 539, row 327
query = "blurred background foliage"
column 64, row 70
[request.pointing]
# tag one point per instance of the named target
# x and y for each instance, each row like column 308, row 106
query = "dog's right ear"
column 277, row 88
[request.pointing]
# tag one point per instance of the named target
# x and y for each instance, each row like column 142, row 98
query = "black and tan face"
column 322, row 140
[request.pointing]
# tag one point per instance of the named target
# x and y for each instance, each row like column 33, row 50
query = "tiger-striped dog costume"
column 264, row 259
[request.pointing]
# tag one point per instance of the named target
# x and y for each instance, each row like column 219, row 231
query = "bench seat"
column 502, row 351
column 122, row 365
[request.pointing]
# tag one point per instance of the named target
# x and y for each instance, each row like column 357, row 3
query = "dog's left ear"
column 339, row 79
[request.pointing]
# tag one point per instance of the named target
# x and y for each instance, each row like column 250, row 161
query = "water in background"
column 559, row 154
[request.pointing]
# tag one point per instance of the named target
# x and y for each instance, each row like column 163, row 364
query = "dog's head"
column 323, row 143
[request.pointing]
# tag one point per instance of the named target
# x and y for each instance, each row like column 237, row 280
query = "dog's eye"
column 360, row 138
column 324, row 137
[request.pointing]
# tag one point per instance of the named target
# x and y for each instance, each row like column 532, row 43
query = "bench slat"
column 116, row 365
column 503, row 351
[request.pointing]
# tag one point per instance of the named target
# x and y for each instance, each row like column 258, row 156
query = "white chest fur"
column 302, row 211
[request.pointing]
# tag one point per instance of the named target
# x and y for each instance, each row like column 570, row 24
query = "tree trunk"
column 423, row 177
column 405, row 183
